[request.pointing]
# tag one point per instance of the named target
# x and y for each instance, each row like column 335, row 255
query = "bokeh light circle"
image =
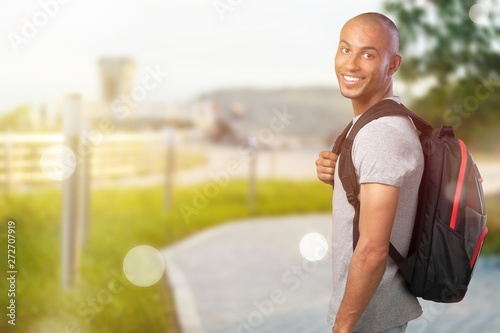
column 58, row 162
column 479, row 13
column 313, row 246
column 143, row 265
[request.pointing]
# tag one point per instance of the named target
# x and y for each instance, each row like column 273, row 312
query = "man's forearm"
column 365, row 273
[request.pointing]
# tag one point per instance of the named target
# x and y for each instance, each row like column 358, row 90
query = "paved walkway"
column 249, row 277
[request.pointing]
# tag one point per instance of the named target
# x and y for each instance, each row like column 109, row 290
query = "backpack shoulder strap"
column 388, row 108
column 337, row 147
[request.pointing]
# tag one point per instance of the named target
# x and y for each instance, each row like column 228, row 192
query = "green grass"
column 103, row 301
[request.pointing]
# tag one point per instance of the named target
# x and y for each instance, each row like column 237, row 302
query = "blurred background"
column 157, row 157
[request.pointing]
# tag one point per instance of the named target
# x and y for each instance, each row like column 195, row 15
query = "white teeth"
column 352, row 78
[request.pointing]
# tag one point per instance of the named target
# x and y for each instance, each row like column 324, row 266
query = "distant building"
column 117, row 103
column 117, row 76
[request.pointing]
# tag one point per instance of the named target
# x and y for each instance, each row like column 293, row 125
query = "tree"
column 19, row 119
column 441, row 41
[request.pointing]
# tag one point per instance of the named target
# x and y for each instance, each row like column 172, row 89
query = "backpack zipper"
column 460, row 183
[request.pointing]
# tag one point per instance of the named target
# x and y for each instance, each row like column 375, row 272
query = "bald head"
column 375, row 24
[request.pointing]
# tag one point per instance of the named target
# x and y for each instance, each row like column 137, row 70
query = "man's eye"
column 368, row 56
column 344, row 50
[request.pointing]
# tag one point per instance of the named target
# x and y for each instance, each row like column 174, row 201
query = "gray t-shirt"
column 386, row 151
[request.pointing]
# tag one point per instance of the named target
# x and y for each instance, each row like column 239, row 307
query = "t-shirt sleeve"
column 383, row 153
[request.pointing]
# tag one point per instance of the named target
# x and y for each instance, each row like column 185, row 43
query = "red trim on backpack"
column 478, row 247
column 460, row 184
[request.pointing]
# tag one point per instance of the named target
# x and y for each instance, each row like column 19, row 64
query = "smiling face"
column 365, row 61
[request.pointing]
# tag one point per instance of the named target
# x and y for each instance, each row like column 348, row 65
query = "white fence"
column 113, row 156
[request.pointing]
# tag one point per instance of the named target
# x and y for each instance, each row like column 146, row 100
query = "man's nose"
column 352, row 63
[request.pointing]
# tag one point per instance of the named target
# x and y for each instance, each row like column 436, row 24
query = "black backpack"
column 450, row 224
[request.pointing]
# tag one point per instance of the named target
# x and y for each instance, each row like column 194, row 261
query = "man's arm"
column 369, row 260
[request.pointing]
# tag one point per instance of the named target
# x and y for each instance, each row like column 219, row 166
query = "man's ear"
column 394, row 64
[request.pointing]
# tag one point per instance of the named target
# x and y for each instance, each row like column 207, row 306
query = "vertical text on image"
column 11, row 271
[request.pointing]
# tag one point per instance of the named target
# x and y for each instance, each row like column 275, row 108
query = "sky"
column 49, row 48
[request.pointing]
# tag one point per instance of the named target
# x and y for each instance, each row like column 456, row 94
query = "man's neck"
column 360, row 106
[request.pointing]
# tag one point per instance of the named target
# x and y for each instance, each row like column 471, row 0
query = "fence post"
column 7, row 146
column 169, row 165
column 252, row 173
column 272, row 158
column 85, row 181
column 70, row 216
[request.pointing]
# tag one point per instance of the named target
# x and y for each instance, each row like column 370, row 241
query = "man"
column 369, row 295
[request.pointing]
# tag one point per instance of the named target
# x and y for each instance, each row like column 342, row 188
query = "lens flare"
column 143, row 265
column 313, row 246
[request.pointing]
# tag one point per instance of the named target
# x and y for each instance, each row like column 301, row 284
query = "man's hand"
column 325, row 166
